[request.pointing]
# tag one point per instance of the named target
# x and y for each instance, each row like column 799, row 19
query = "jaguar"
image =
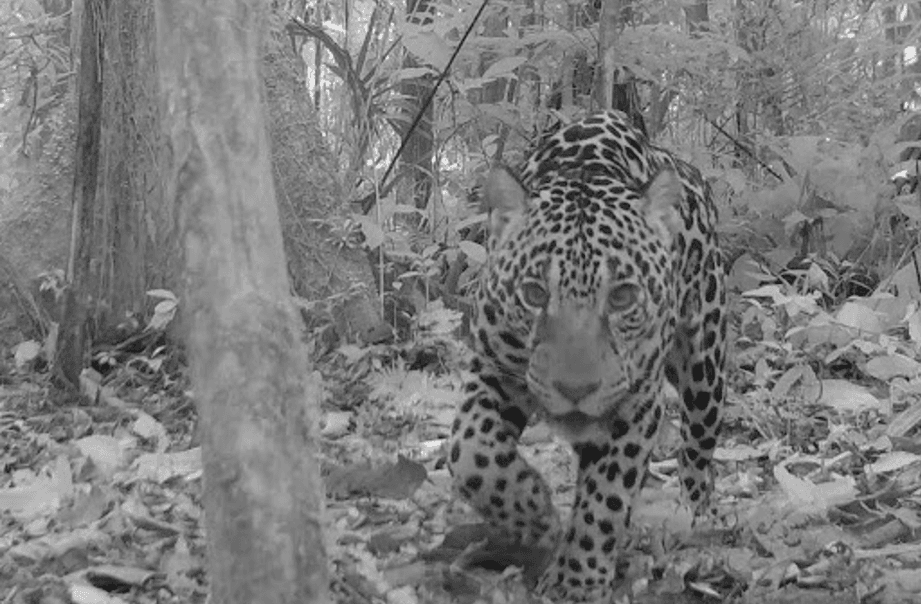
column 604, row 280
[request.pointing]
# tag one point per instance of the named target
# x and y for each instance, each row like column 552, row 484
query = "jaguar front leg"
column 697, row 367
column 612, row 466
column 489, row 473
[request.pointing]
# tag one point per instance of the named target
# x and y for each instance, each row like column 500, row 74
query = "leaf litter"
column 818, row 493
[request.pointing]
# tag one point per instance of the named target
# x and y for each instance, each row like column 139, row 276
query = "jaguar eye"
column 534, row 294
column 623, row 297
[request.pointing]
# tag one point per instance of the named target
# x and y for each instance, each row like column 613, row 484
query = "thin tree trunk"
column 418, row 155
column 263, row 495
column 615, row 85
column 72, row 340
column 609, row 26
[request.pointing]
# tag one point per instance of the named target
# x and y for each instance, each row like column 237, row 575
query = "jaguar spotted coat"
column 604, row 278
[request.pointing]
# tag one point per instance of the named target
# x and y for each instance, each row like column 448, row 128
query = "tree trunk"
column 697, row 16
column 419, row 152
column 72, row 340
column 609, row 27
column 500, row 92
column 310, row 199
column 258, row 408
column 135, row 244
column 615, row 86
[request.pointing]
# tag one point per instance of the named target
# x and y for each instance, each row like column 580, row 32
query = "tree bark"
column 419, row 153
column 134, row 246
column 258, row 409
column 72, row 341
column 310, row 198
column 615, row 86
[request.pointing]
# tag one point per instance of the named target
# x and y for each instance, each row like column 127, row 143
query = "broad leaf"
column 504, row 67
column 474, row 251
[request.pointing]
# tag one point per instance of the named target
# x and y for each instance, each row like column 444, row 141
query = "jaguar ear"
column 504, row 197
column 663, row 195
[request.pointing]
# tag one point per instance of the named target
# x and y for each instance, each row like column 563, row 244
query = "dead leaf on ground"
column 392, row 481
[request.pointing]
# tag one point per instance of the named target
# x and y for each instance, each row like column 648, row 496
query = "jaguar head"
column 581, row 264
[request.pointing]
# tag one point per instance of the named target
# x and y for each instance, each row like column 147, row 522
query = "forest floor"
column 818, row 492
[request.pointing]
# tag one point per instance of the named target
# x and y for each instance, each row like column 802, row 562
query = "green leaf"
column 504, row 67
column 374, row 235
column 474, row 251
column 428, row 48
column 411, row 73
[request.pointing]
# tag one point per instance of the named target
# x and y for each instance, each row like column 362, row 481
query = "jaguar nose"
column 575, row 392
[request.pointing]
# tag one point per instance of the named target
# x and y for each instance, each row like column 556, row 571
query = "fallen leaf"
column 147, row 427
column 336, row 424
column 160, row 467
column 87, row 594
column 905, row 421
column 41, row 496
column 846, row 396
column 914, row 326
column 737, row 453
column 821, row 496
column 118, row 577
column 395, row 481
column 383, row 542
column 56, row 545
column 893, row 461
column 87, row 507
column 901, row 585
column 402, row 595
column 893, row 365
column 178, row 565
column 105, row 452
